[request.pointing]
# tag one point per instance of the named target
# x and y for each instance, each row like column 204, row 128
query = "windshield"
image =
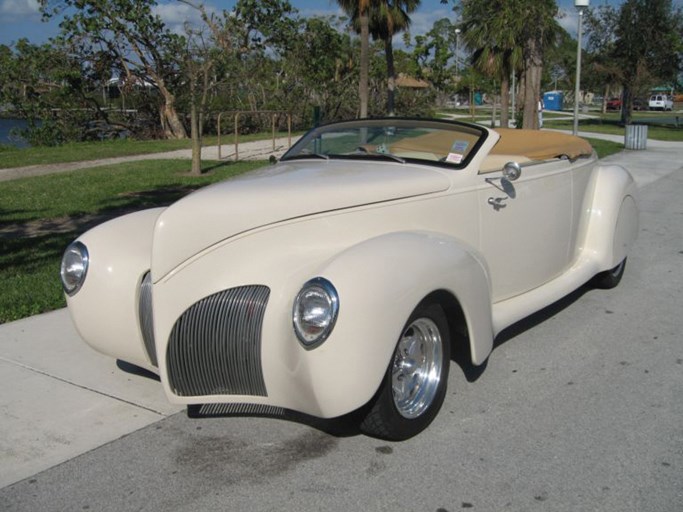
column 442, row 143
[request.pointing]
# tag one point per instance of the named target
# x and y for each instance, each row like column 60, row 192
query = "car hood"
column 286, row 191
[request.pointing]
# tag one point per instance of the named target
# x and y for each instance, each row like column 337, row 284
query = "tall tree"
column 491, row 33
column 605, row 73
column 646, row 47
column 48, row 87
column 386, row 19
column 362, row 8
column 318, row 69
column 145, row 49
column 433, row 53
column 503, row 31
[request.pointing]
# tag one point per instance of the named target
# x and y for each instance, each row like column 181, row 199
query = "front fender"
column 380, row 281
column 105, row 310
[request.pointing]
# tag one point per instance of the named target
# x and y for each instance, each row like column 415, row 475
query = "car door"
column 525, row 226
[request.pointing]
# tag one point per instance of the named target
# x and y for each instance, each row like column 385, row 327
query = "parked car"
column 639, row 104
column 346, row 276
column 660, row 102
column 614, row 104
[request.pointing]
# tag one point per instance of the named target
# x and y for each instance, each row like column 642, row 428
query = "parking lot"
column 580, row 407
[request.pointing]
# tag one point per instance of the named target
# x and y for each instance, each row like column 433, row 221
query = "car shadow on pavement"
column 462, row 355
column 541, row 316
column 342, row 426
column 136, row 370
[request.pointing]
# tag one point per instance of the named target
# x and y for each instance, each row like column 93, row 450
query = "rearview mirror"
column 512, row 171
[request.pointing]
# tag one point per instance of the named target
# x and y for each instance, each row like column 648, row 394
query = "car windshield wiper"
column 308, row 155
column 391, row 157
column 388, row 156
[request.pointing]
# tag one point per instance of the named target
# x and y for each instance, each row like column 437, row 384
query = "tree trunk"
column 626, row 102
column 170, row 122
column 364, row 63
column 195, row 131
column 505, row 101
column 391, row 76
column 521, row 90
column 533, row 67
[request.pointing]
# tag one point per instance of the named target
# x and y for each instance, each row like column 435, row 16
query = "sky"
column 21, row 18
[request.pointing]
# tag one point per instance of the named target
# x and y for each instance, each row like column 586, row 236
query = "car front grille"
column 215, row 346
column 146, row 318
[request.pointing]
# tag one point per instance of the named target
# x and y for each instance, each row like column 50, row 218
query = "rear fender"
column 610, row 222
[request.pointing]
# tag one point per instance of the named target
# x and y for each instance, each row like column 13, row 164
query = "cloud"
column 19, row 10
column 176, row 15
column 422, row 21
column 569, row 20
column 320, row 12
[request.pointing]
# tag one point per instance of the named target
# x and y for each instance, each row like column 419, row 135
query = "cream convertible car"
column 344, row 277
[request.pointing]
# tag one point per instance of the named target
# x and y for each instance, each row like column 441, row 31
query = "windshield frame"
column 388, row 122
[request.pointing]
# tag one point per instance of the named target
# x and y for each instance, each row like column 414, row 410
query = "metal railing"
column 237, row 113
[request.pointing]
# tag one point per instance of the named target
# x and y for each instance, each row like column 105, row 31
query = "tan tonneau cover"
column 540, row 145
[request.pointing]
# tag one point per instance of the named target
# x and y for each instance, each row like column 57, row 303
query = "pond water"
column 6, row 125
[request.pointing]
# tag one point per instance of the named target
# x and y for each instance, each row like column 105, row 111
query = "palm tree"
column 506, row 33
column 362, row 8
column 388, row 18
column 488, row 33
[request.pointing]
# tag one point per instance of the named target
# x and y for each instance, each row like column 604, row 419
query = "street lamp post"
column 457, row 51
column 580, row 5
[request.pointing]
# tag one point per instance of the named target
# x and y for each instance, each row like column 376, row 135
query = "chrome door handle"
column 497, row 202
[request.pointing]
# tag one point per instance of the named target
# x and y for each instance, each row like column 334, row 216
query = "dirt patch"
column 68, row 224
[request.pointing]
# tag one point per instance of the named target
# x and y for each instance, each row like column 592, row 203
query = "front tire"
column 414, row 386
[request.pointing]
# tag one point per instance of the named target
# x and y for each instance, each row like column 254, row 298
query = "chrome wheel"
column 416, row 369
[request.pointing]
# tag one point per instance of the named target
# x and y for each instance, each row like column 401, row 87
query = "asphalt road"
column 580, row 408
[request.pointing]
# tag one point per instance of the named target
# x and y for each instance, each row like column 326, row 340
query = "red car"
column 614, row 104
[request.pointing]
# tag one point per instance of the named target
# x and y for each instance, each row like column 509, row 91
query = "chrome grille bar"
column 146, row 318
column 215, row 346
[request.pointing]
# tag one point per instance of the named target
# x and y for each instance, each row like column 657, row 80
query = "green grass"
column 604, row 147
column 98, row 190
column 609, row 124
column 29, row 271
column 29, row 265
column 18, row 157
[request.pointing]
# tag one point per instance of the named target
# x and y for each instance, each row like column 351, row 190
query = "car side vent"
column 215, row 346
column 147, row 319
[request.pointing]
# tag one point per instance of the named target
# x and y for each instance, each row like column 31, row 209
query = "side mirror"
column 272, row 160
column 512, row 171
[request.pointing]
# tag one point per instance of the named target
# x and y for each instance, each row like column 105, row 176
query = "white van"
column 661, row 102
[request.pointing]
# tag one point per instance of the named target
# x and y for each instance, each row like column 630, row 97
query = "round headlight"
column 315, row 311
column 74, row 267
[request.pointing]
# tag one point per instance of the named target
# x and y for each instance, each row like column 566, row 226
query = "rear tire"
column 610, row 278
column 414, row 386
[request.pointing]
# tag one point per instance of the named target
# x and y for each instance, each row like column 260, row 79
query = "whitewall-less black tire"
column 414, row 386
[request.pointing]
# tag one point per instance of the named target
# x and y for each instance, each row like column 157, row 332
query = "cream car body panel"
column 105, row 310
column 387, row 234
column 292, row 192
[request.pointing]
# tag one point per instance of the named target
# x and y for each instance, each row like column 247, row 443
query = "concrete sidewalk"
column 60, row 398
column 255, row 150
